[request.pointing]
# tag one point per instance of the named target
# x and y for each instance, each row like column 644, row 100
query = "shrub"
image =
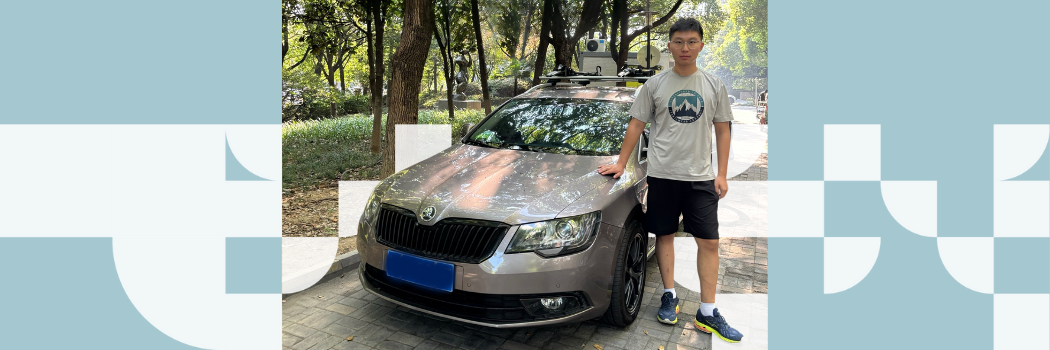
column 463, row 116
column 353, row 103
column 305, row 97
column 505, row 87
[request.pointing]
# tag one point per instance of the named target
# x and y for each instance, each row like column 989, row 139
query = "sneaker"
column 717, row 324
column 668, row 312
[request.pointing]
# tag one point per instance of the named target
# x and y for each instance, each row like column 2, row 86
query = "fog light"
column 551, row 303
column 545, row 307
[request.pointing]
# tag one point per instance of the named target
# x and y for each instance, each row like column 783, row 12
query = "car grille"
column 452, row 239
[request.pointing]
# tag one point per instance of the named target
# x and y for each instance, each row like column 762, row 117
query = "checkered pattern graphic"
column 875, row 253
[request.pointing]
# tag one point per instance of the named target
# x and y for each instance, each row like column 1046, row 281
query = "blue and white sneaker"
column 668, row 312
column 717, row 325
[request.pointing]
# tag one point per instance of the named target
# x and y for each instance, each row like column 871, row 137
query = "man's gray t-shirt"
column 681, row 110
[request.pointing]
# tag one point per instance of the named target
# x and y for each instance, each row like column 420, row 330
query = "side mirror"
column 466, row 129
column 643, row 152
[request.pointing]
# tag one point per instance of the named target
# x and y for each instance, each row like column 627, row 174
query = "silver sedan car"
column 513, row 226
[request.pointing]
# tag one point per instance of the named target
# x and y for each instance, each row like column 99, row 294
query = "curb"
column 344, row 263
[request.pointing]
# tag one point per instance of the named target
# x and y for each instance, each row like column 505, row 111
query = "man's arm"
column 722, row 138
column 634, row 129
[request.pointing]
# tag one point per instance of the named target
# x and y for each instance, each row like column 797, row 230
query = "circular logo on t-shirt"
column 685, row 106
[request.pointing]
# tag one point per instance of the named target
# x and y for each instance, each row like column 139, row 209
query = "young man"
column 682, row 104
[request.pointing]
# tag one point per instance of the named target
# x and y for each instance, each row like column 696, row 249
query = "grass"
column 316, row 153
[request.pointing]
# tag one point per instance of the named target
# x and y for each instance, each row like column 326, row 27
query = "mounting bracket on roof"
column 567, row 75
column 565, row 72
column 637, row 71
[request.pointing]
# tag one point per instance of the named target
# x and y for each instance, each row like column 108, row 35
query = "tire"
column 629, row 277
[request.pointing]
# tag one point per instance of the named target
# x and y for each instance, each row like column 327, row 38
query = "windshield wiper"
column 482, row 143
column 523, row 146
column 575, row 150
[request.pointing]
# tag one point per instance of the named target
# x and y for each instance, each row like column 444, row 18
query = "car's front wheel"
column 629, row 277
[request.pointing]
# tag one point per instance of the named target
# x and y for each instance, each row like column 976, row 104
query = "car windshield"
column 556, row 125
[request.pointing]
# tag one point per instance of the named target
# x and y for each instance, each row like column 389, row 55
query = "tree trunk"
column 541, row 51
column 558, row 36
column 377, row 12
column 445, row 49
column 374, row 147
column 481, row 58
column 284, row 33
column 407, row 66
column 563, row 40
column 620, row 15
column 528, row 30
column 448, row 88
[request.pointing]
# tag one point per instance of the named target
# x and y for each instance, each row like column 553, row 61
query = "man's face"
column 685, row 46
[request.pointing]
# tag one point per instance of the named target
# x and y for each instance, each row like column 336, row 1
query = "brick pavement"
column 325, row 315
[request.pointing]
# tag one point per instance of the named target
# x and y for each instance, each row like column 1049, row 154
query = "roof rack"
column 567, row 75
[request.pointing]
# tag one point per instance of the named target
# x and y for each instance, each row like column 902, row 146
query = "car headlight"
column 556, row 237
column 371, row 209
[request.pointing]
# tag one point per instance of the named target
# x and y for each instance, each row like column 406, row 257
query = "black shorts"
column 695, row 201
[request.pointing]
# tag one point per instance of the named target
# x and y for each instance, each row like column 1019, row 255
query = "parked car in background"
column 763, row 107
column 513, row 226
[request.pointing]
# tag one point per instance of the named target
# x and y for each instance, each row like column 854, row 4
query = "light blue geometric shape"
column 64, row 293
column 253, row 265
column 1040, row 171
column 235, row 171
column 856, row 209
column 74, row 55
column 1022, row 265
column 908, row 300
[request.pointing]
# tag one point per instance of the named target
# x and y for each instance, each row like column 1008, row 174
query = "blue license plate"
column 424, row 272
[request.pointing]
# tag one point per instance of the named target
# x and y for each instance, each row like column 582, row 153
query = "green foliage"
column 429, row 98
column 751, row 17
column 305, row 97
column 508, row 24
column 456, row 16
column 505, row 87
column 741, row 48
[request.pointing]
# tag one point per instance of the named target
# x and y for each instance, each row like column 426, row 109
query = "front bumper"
column 490, row 293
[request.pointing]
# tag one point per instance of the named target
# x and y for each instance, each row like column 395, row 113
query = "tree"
column 481, row 56
column 407, row 71
column 545, row 30
column 751, row 18
column 620, row 36
column 450, row 27
column 286, row 14
column 741, row 49
column 322, row 30
column 375, row 22
column 565, row 34
column 558, row 31
column 512, row 25
column 329, row 35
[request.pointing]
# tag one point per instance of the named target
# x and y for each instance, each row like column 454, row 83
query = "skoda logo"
column 428, row 213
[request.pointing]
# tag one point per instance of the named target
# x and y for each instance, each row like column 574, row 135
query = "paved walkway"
column 325, row 315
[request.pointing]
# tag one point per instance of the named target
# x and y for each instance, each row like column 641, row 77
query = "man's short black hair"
column 688, row 24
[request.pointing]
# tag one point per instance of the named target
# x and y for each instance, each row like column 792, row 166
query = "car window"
column 556, row 125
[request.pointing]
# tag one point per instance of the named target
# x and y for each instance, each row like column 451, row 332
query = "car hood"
column 510, row 186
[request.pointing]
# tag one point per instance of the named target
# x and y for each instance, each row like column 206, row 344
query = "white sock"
column 673, row 294
column 707, row 309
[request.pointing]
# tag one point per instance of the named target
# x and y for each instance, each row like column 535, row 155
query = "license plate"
column 420, row 271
